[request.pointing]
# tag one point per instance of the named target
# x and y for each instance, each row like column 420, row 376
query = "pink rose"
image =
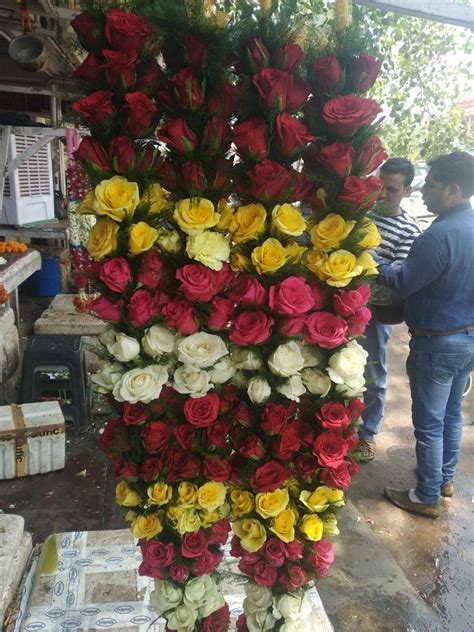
column 326, row 330
column 115, row 273
column 264, row 575
column 274, row 552
column 221, row 311
column 179, row 572
column 357, row 407
column 293, row 578
column 251, row 328
column 179, row 314
column 107, row 309
column 347, row 302
column 321, row 557
column 247, row 290
column 295, row 550
column 291, row 327
column 193, row 544
column 319, row 296
column 225, row 277
column 357, row 322
column 291, row 297
column 197, row 282
column 204, row 564
column 150, row 273
column 220, row 532
column 157, row 556
column 141, row 307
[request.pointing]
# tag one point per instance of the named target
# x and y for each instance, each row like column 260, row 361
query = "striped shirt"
column 398, row 234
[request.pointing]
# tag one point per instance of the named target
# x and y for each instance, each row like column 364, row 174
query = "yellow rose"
column 341, row 267
column 188, row 521
column 117, row 198
column 173, row 513
column 270, row 504
column 240, row 262
column 169, row 241
column 331, row 231
column 141, row 238
column 187, row 493
column 283, row 526
column 287, row 219
column 251, row 533
column 317, row 500
column 208, row 519
column 312, row 526
column 372, row 237
column 159, row 493
column 86, row 205
column 102, row 238
column 294, row 252
column 155, row 197
column 242, row 502
column 330, row 524
column 146, row 527
column 194, row 215
column 336, row 497
column 226, row 212
column 126, row 496
column 211, row 495
column 210, row 248
column 248, row 222
column 130, row 516
column 316, row 261
column 269, row 257
column 367, row 263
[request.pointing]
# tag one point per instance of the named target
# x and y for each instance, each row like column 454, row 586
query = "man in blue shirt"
column 437, row 281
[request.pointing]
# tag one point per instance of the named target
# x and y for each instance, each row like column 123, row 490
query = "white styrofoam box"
column 32, row 439
column 28, row 195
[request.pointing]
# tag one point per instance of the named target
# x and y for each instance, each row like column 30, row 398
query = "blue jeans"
column 375, row 343
column 438, row 368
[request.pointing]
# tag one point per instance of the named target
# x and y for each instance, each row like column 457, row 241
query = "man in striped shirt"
column 398, row 231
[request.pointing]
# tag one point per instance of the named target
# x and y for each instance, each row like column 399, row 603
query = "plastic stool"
column 54, row 368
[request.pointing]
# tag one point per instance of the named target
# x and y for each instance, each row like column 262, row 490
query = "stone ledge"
column 61, row 318
column 15, row 549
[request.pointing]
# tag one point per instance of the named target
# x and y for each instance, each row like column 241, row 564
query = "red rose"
column 179, row 314
column 246, row 290
column 252, row 448
column 96, row 108
column 293, row 578
column 294, row 550
column 216, row 469
column 114, row 438
column 325, row 329
column 179, row 572
column 334, row 416
column 107, row 309
column 88, row 31
column 215, row 137
column 327, row 74
column 150, row 272
column 291, row 327
column 264, row 574
column 357, row 407
column 221, row 311
column 223, row 101
column 298, row 95
column 268, row 477
column 122, row 154
column 187, row 89
column 182, row 466
column 363, row 71
column 141, row 307
column 168, row 175
column 274, row 552
column 197, row 282
column 147, row 159
column 358, row 194
column 269, row 182
column 241, row 623
column 193, row 178
column 371, row 155
column 139, row 111
column 251, row 328
column 319, row 296
column 150, row 76
column 306, row 433
column 220, row 532
column 164, row 96
column 204, row 564
column 337, row 158
column 241, row 414
column 220, row 176
column 274, row 418
column 196, row 50
column 90, row 70
column 194, row 544
column 352, row 440
column 273, row 87
column 257, row 54
column 186, row 436
column 157, row 556
column 291, row 296
column 347, row 302
column 134, row 414
column 218, row 621
column 358, row 322
column 289, row 57
column 151, row 468
column 338, row 477
column 287, row 444
column 91, row 154
column 120, row 68
column 251, row 138
column 216, row 435
column 126, row 31
column 330, row 448
column 292, row 134
column 306, row 466
column 321, row 557
column 116, row 274
column 203, row 411
column 347, row 114
column 178, row 136
column 155, row 436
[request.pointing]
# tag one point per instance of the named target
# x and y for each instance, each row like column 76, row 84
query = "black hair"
column 456, row 168
column 401, row 166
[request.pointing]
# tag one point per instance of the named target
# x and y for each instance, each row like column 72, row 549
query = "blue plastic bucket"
column 47, row 281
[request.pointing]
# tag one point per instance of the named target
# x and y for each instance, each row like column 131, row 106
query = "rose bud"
column 223, row 101
column 96, row 108
column 327, row 74
column 337, row 158
column 178, row 136
column 122, row 154
column 251, row 138
column 196, row 50
column 292, row 134
column 168, row 176
column 257, row 54
column 215, row 137
column 371, row 155
column 187, row 89
column 193, row 178
column 91, row 154
column 273, row 87
column 120, row 68
column 90, row 70
column 363, row 71
column 139, row 111
column 89, row 31
column 126, row 31
column 288, row 57
column 150, row 76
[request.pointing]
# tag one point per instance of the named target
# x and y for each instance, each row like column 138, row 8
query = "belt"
column 430, row 332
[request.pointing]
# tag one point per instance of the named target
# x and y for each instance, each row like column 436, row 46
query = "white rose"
column 165, row 596
column 210, row 248
column 182, row 619
column 289, row 606
column 352, row 387
column 158, row 340
column 107, row 377
column 240, row 379
column 347, row 363
column 286, row 360
column 293, row 626
column 260, row 621
column 201, row 349
column 191, row 380
column 107, row 337
column 317, row 382
column 215, row 602
column 311, row 355
column 195, row 591
column 259, row 596
column 293, row 388
column 246, row 359
column 258, row 389
column 141, row 385
column 222, row 371
column 124, row 348
column 169, row 241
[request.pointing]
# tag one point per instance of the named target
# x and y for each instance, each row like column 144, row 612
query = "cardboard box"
column 32, row 439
